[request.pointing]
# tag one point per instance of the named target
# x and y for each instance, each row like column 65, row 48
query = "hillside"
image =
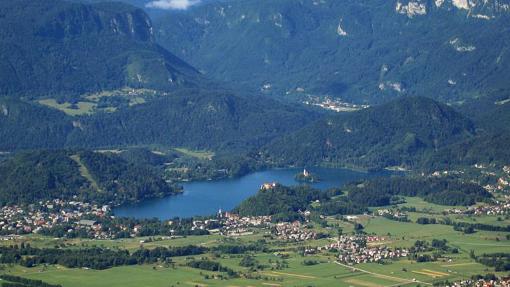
column 395, row 134
column 361, row 51
column 486, row 149
column 65, row 49
column 30, row 177
column 216, row 120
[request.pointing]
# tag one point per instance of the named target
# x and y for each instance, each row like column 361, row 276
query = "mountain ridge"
column 361, row 52
column 67, row 49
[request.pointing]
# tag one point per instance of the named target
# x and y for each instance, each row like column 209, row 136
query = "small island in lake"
column 306, row 176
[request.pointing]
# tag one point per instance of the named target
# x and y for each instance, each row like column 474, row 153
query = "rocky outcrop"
column 73, row 20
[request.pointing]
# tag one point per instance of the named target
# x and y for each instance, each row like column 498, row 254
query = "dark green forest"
column 296, row 46
column 286, row 203
column 30, row 177
column 400, row 133
column 48, row 46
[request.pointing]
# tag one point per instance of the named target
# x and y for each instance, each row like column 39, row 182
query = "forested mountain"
column 29, row 177
column 98, row 63
column 360, row 51
column 199, row 119
column 491, row 113
column 25, row 125
column 399, row 133
column 60, row 48
column 486, row 148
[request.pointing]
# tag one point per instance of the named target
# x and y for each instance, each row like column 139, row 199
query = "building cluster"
column 293, row 231
column 502, row 282
column 499, row 207
column 443, row 173
column 356, row 249
column 46, row 215
column 503, row 182
column 506, row 169
column 333, row 104
column 235, row 225
column 395, row 214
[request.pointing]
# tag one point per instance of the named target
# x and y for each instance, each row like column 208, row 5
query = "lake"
column 207, row 197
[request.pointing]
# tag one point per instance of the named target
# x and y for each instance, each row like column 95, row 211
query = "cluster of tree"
column 16, row 281
column 310, row 262
column 500, row 261
column 282, row 202
column 210, row 265
column 402, row 218
column 340, row 205
column 94, row 258
column 426, row 220
column 443, row 191
column 258, row 246
column 470, row 227
column 251, row 262
column 424, row 251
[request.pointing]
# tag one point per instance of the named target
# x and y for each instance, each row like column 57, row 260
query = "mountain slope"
column 215, row 120
column 361, row 51
column 61, row 48
column 29, row 177
column 100, row 65
column 395, row 134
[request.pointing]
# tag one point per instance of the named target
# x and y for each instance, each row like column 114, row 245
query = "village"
column 16, row 220
column 357, row 249
column 502, row 282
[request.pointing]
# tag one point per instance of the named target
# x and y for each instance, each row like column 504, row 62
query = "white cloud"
column 172, row 4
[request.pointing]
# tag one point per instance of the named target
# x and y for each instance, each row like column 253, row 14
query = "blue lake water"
column 207, row 197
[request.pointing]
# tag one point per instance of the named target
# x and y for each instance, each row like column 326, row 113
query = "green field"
column 82, row 108
column 327, row 272
column 195, row 153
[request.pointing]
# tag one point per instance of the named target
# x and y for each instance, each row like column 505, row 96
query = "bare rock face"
column 78, row 20
column 4, row 110
column 481, row 9
column 411, row 9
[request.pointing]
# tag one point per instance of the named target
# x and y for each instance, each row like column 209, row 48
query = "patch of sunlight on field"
column 196, row 153
column 81, row 108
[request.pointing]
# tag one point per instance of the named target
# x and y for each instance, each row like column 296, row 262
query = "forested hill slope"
column 198, row 119
column 213, row 120
column 55, row 47
column 369, row 50
column 30, row 177
column 395, row 134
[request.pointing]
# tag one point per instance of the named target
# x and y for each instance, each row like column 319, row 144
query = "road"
column 398, row 279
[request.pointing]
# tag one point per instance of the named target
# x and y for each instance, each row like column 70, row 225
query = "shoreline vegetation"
column 306, row 177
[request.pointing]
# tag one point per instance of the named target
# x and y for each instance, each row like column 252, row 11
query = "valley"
column 254, row 143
